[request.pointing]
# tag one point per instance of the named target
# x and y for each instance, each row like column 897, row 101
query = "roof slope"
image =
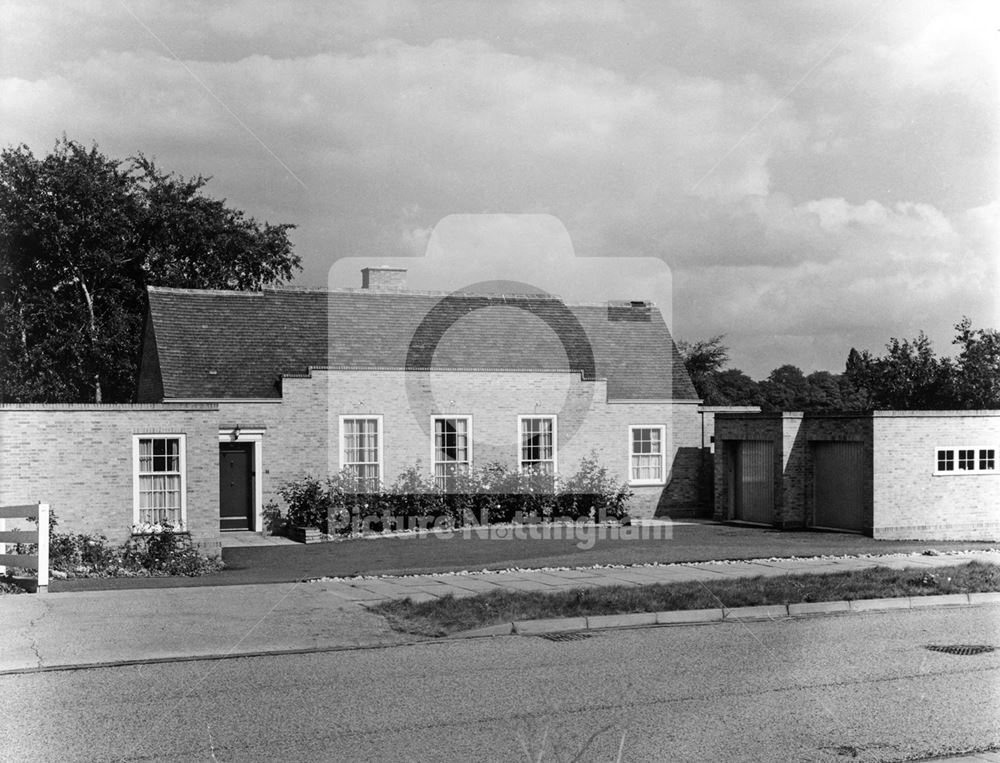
column 219, row 344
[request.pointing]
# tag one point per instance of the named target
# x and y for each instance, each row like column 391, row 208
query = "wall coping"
column 108, row 407
column 860, row 415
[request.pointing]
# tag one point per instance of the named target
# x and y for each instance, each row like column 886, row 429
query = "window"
column 452, row 450
column 159, row 495
column 647, row 454
column 965, row 460
column 538, row 443
column 361, row 448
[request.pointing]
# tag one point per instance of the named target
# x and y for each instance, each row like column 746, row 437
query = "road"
column 861, row 687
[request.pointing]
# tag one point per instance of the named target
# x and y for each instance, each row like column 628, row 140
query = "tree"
column 81, row 236
column 908, row 377
column 786, row 389
column 704, row 359
column 734, row 387
column 823, row 392
column 977, row 371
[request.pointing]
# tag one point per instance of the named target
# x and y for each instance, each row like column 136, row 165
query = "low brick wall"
column 79, row 459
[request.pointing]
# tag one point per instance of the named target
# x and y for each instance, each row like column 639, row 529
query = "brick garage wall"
column 302, row 429
column 794, row 436
column 801, row 433
column 78, row 459
column 910, row 501
column 734, row 427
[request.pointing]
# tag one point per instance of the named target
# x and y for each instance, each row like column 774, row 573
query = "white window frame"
column 955, row 450
column 381, row 441
column 181, row 466
column 467, row 418
column 663, row 455
column 555, row 439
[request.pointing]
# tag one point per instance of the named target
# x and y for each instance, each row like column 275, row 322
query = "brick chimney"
column 383, row 279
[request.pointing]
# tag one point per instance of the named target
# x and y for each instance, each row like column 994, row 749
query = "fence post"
column 3, row 546
column 43, row 548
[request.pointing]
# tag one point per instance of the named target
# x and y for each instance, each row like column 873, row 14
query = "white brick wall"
column 302, row 429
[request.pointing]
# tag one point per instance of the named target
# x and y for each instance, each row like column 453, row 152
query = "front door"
column 236, row 486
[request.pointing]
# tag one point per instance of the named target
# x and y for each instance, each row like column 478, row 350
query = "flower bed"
column 343, row 505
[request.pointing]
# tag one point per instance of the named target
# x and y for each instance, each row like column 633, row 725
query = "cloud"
column 859, row 201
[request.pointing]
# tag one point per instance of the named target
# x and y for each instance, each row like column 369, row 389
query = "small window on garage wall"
column 965, row 459
column 647, row 454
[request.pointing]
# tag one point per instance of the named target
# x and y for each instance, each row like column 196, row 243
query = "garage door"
column 753, row 478
column 838, row 486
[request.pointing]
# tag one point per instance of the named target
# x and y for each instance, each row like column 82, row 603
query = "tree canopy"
column 909, row 376
column 81, row 236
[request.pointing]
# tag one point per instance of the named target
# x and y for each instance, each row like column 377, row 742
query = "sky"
column 803, row 177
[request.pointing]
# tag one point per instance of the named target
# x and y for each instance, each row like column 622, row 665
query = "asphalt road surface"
column 854, row 687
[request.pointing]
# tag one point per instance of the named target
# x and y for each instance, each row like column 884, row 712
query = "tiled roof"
column 221, row 344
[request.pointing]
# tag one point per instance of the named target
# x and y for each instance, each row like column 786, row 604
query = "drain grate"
column 962, row 649
column 566, row 636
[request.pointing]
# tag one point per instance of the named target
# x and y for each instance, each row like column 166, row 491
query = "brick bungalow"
column 239, row 392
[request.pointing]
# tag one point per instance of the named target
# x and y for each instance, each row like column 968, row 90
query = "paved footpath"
column 86, row 628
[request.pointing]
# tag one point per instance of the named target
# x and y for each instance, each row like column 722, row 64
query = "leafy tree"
column 786, row 389
column 977, row 371
column 908, row 377
column 81, row 236
column 823, row 392
column 703, row 359
column 733, row 387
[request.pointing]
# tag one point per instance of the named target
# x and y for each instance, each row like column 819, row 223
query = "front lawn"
column 451, row 615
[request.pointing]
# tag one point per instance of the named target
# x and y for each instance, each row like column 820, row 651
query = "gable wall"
column 78, row 459
column 302, row 430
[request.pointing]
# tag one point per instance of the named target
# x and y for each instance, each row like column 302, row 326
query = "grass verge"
column 451, row 615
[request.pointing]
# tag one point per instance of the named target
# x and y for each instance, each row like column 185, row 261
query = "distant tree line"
column 909, row 376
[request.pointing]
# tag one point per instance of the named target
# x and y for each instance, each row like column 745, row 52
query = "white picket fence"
column 38, row 561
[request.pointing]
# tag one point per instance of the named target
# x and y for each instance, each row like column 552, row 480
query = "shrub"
column 494, row 493
column 590, row 492
column 166, row 553
column 308, row 503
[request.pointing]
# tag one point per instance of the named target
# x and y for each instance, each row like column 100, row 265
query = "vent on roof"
column 383, row 279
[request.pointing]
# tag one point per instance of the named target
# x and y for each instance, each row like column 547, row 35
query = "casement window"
column 537, row 444
column 965, row 460
column 452, row 454
column 158, row 482
column 647, row 454
column 361, row 448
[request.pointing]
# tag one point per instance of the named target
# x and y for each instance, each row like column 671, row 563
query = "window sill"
column 647, row 483
column 968, row 473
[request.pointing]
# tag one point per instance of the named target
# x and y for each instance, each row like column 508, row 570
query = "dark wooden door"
column 235, row 486
column 755, row 481
column 838, row 485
